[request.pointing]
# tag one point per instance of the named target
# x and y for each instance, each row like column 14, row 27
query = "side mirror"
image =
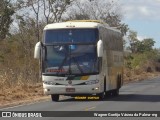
column 100, row 48
column 37, row 50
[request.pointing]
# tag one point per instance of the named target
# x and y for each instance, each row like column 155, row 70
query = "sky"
column 143, row 16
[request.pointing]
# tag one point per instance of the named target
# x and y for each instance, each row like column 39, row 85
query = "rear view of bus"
column 71, row 58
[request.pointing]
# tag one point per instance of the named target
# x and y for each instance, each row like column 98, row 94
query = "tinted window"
column 70, row 35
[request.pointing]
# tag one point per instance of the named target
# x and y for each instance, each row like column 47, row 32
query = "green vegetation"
column 6, row 11
column 137, row 60
column 143, row 57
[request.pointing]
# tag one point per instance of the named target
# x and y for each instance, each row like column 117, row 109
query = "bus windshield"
column 70, row 60
column 71, row 36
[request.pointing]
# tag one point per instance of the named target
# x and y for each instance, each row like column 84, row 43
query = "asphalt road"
column 136, row 96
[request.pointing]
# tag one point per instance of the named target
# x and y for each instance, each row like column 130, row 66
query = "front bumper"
column 79, row 89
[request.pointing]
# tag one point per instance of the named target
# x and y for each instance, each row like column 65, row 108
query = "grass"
column 20, row 93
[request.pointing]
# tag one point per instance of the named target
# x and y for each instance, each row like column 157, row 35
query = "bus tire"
column 55, row 97
column 105, row 84
column 101, row 95
column 119, row 82
column 116, row 91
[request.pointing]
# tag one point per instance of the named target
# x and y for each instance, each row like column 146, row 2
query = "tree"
column 53, row 10
column 133, row 41
column 104, row 10
column 145, row 45
column 48, row 11
column 137, row 46
column 6, row 12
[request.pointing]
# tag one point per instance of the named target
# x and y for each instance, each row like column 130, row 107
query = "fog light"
column 96, row 88
column 46, row 90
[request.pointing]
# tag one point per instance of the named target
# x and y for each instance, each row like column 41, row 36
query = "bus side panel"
column 113, row 56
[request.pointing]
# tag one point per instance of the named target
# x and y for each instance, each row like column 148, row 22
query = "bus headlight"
column 92, row 82
column 49, row 82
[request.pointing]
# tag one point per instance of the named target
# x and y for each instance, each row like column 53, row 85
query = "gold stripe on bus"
column 84, row 77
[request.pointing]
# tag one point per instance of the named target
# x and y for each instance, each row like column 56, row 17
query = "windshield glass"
column 71, row 35
column 70, row 59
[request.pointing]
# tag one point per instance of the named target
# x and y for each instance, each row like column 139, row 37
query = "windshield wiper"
column 63, row 62
column 61, row 66
column 78, row 65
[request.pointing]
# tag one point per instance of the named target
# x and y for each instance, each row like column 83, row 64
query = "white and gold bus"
column 81, row 57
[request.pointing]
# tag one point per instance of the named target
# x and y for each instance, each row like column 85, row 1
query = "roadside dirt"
column 21, row 94
column 130, row 76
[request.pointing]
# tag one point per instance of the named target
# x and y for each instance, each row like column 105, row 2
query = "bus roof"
column 97, row 21
column 75, row 24
column 79, row 24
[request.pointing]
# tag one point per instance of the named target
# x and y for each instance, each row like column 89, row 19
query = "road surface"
column 136, row 96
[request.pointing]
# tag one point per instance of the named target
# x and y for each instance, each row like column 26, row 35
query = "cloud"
column 141, row 9
column 140, row 38
column 144, row 10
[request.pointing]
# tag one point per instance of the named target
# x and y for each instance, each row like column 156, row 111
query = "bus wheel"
column 55, row 97
column 115, row 92
column 101, row 96
column 119, row 82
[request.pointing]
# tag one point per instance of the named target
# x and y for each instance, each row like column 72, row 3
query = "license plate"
column 70, row 89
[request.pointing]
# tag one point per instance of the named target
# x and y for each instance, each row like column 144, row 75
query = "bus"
column 80, row 57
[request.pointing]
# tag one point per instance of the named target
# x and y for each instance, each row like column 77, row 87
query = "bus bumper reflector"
column 46, row 90
column 97, row 88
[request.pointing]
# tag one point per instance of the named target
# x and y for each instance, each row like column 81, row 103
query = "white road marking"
column 89, row 108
